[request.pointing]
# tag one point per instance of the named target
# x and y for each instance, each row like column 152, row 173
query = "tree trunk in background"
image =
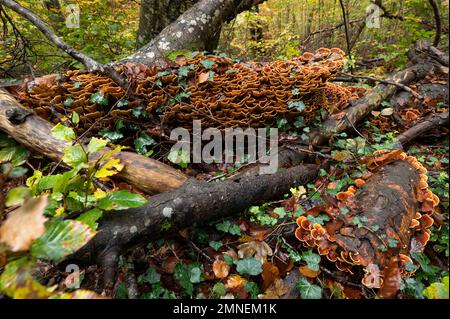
column 195, row 29
column 155, row 15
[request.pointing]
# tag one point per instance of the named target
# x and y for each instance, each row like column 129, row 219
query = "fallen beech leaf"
column 203, row 77
column 221, row 269
column 269, row 274
column 235, row 281
column 338, row 116
column 372, row 277
column 306, row 272
column 259, row 249
column 24, row 224
column 275, row 291
column 258, row 233
column 375, row 113
column 168, row 265
column 387, row 111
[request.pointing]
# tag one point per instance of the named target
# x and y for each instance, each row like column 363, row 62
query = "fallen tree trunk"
column 378, row 224
column 194, row 202
column 429, row 123
column 34, row 132
column 371, row 101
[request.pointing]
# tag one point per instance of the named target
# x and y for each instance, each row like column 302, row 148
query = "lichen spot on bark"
column 167, row 212
column 133, row 229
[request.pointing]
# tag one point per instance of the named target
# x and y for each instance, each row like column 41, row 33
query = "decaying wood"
column 195, row 202
column 371, row 101
column 427, row 124
column 34, row 132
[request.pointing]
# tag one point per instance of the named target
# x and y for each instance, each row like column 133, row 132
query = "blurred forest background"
column 276, row 29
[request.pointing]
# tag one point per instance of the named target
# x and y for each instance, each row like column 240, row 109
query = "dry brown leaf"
column 203, row 77
column 258, row 233
column 221, row 269
column 24, row 224
column 231, row 253
column 235, row 281
column 275, row 291
column 307, row 272
column 168, row 265
column 259, row 249
column 269, row 274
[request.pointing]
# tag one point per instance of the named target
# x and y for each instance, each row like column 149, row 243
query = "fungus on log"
column 378, row 224
column 34, row 132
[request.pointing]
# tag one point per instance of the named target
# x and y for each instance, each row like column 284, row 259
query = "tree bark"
column 191, row 30
column 155, row 15
column 34, row 132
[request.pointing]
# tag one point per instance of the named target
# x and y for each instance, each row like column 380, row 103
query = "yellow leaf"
column 24, row 224
column 59, row 211
column 99, row 194
column 112, row 167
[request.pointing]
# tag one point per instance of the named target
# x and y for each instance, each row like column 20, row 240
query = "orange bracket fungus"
column 377, row 223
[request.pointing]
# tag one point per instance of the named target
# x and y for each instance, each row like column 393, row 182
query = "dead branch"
column 34, row 132
column 385, row 81
column 431, row 122
column 194, row 203
column 438, row 22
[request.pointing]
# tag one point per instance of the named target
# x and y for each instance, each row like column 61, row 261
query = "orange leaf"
column 269, row 274
column 221, row 269
column 305, row 271
column 234, row 281
column 203, row 77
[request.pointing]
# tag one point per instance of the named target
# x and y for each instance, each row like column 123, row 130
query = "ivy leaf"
column 62, row 238
column 122, row 103
column 121, row 200
column 74, row 155
column 99, row 98
column 179, row 157
column 208, row 64
column 96, row 144
column 90, row 218
column 308, row 290
column 68, row 102
column 218, row 290
column 111, row 135
column 63, row 133
column 183, row 71
column 249, row 266
column 215, row 245
column 280, row 212
column 312, row 260
column 142, row 142
column 187, row 275
column 299, row 106
column 151, row 276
